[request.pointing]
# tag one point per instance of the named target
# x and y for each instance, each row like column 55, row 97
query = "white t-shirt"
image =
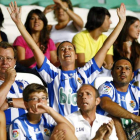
column 83, row 130
column 65, row 34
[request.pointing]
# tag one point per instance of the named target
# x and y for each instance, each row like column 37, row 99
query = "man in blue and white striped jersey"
column 10, row 90
column 120, row 98
column 63, row 83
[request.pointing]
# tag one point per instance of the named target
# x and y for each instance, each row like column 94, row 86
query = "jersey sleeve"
column 91, row 71
column 78, row 41
column 105, row 90
column 47, row 71
column 15, row 133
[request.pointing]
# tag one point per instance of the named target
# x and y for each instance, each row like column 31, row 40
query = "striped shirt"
column 22, row 129
column 63, row 85
column 15, row 92
column 129, row 100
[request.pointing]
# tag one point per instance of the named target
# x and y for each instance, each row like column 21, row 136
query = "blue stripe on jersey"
column 15, row 126
column 99, row 110
column 47, row 68
column 46, row 125
column 39, row 135
column 12, row 90
column 21, row 111
column 92, row 68
column 61, row 95
column 8, row 116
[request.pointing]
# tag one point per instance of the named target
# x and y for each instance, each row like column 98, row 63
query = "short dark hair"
column 61, row 44
column 44, row 34
column 6, row 45
column 96, row 91
column 1, row 18
column 33, row 88
column 96, row 17
column 122, row 58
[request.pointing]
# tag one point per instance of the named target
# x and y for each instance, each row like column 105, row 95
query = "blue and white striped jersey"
column 15, row 92
column 63, row 85
column 129, row 100
column 22, row 129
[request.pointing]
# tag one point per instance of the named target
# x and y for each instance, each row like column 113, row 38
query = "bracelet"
column 10, row 102
column 66, row 9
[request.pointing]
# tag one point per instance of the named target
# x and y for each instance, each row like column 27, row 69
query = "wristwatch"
column 10, row 102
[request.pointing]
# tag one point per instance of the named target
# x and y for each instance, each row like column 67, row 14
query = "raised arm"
column 15, row 14
column 100, row 56
column 77, row 21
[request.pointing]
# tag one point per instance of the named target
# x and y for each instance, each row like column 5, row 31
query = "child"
column 38, row 126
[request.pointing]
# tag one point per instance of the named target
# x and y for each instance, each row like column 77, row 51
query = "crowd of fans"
column 68, row 60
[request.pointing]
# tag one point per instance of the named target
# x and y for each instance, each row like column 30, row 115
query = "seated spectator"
column 38, row 126
column 126, row 44
column 36, row 25
column 87, row 123
column 3, row 36
column 121, row 99
column 68, row 24
column 63, row 83
column 2, row 126
column 89, row 41
column 10, row 89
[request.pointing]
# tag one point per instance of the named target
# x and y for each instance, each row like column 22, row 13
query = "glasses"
column 36, row 99
column 9, row 59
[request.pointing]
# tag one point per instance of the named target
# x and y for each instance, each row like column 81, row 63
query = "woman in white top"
column 68, row 24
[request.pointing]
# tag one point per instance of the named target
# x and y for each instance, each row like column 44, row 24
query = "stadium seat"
column 30, row 78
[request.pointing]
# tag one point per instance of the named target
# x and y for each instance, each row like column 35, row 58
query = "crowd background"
column 12, row 32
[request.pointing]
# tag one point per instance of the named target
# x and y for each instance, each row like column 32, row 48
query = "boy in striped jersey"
column 63, row 83
column 41, row 119
column 121, row 99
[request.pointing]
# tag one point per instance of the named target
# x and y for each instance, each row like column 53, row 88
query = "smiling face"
column 60, row 14
column 86, row 99
column 66, row 54
column 122, row 73
column 134, row 30
column 5, row 64
column 36, row 24
column 106, row 24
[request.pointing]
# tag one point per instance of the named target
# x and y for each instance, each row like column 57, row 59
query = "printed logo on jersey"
column 132, row 104
column 47, row 132
column 106, row 88
column 80, row 129
column 67, row 98
column 15, row 133
column 20, row 85
column 79, row 80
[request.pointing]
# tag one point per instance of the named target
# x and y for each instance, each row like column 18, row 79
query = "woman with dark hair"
column 126, row 44
column 68, row 24
column 3, row 36
column 36, row 25
column 89, row 41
